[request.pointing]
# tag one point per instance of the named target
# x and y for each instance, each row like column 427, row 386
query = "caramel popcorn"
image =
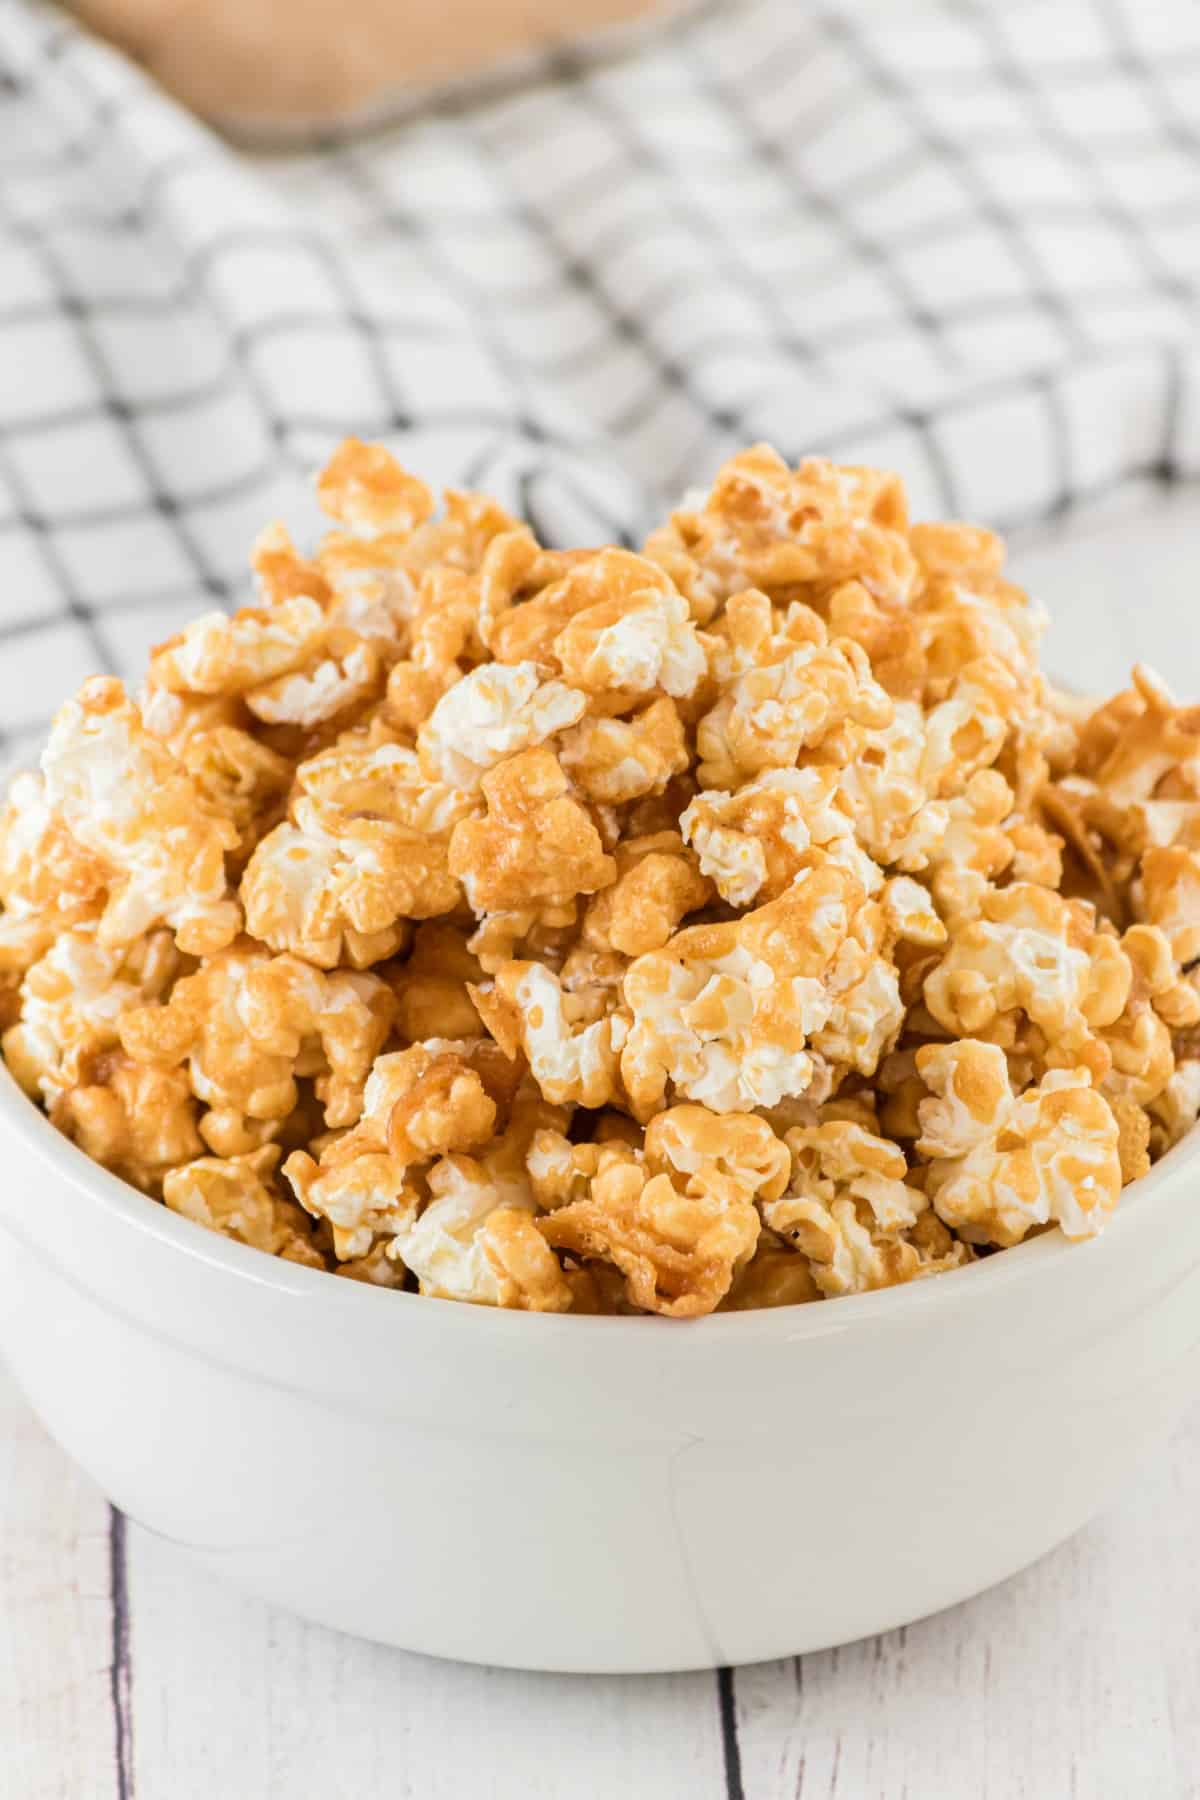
column 784, row 688
column 750, row 1012
column 636, row 640
column 48, row 882
column 849, row 1209
column 537, row 843
column 743, row 921
column 657, row 885
column 614, row 761
column 234, row 1197
column 573, row 1056
column 122, row 796
column 332, row 887
column 679, row 1219
column 139, row 1122
column 1003, row 1164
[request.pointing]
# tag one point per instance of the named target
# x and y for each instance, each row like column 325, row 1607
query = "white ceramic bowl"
column 591, row 1493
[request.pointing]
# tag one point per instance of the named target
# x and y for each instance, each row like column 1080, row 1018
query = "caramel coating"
column 742, row 921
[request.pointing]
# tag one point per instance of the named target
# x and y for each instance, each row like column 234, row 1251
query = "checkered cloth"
column 963, row 242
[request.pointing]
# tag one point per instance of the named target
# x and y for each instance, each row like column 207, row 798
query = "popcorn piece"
column 490, row 714
column 512, row 562
column 657, row 885
column 730, row 1155
column 178, row 718
column 444, row 642
column 472, row 1242
column 1131, row 809
column 637, row 640
column 515, row 568
column 536, row 846
column 527, row 1272
column 972, row 1099
column 900, row 782
column 281, row 573
column 543, row 933
column 289, row 662
column 239, row 778
column 1139, row 1043
column 474, row 1239
column 222, row 654
column 1141, row 744
column 884, row 785
column 327, row 886
column 418, row 1104
column 848, row 1208
column 573, row 1058
column 767, row 526
column 1134, row 1131
column 367, row 772
column 1174, row 1112
column 988, row 620
column 137, row 1121
column 364, row 486
column 124, row 797
column 434, row 1100
column 753, row 843
column 1051, row 1155
column 892, row 637
column 200, row 1023
column 332, row 1027
column 345, row 675
column 250, row 1025
column 957, row 552
column 1170, row 897
column 234, row 1198
column 604, row 579
column 615, row 761
column 1033, row 952
column 910, row 913
column 866, row 1011
column 378, row 574
column 365, row 1194
column 975, row 848
column 48, row 882
column 725, row 1013
column 681, row 1226
column 375, row 1269
column 559, row 1171
column 432, row 986
column 783, row 689
column 73, row 1001
column 774, row 1276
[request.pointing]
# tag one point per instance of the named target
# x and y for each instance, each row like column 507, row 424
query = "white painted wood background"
column 126, row 1674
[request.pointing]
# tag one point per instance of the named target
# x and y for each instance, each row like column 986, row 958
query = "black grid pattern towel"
column 962, row 240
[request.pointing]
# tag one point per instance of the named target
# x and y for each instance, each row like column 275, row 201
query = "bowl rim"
column 150, row 1218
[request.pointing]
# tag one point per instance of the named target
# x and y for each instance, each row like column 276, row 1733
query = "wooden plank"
column 233, row 1697
column 1080, row 1677
column 57, row 1739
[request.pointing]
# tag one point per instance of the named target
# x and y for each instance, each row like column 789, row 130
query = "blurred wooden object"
column 292, row 60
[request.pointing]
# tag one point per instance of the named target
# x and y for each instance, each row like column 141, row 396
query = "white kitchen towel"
column 961, row 240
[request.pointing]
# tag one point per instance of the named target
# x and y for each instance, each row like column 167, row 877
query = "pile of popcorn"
column 737, row 923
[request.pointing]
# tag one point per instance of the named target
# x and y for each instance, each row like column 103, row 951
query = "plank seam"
column 121, row 1666
column 730, row 1746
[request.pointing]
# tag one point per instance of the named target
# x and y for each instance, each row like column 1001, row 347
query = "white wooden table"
column 125, row 1674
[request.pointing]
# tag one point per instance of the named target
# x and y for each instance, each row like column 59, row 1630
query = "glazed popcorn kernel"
column 740, row 922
